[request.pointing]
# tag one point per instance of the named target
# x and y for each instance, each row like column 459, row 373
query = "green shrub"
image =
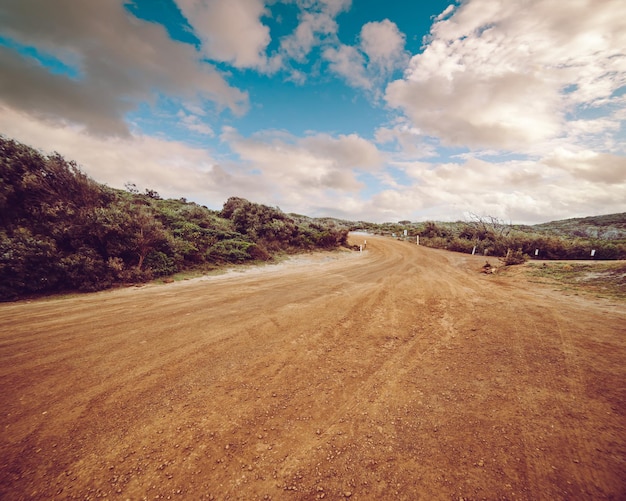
column 230, row 251
column 514, row 257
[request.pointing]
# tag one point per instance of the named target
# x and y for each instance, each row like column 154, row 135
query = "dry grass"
column 604, row 279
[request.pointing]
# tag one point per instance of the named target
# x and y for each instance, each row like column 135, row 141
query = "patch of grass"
column 602, row 279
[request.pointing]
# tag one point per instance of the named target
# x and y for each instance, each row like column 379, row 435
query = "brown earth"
column 397, row 373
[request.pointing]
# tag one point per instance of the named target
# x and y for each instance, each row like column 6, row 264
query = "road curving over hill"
column 397, row 373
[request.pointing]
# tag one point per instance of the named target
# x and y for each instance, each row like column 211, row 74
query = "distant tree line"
column 61, row 230
column 570, row 239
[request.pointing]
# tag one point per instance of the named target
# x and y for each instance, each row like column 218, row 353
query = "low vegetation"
column 599, row 237
column 601, row 279
column 60, row 230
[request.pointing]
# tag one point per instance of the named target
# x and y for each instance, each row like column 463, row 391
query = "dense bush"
column 60, row 230
column 514, row 257
column 465, row 237
column 491, row 237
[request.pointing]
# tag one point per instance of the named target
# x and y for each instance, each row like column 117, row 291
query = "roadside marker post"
column 593, row 252
column 474, row 250
column 418, row 239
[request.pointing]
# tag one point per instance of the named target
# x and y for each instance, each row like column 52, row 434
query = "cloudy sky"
column 359, row 109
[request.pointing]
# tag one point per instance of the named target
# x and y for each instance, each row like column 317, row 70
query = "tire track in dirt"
column 398, row 373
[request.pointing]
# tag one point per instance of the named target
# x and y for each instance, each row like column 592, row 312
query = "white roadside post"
column 593, row 252
column 418, row 239
column 474, row 250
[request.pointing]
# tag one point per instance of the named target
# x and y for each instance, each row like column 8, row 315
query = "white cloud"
column 307, row 165
column 347, row 62
column 231, row 31
column 448, row 10
column 516, row 191
column 589, row 165
column 379, row 53
column 316, row 24
column 333, row 7
column 383, row 43
column 122, row 61
column 195, row 124
column 409, row 140
column 346, row 151
column 509, row 74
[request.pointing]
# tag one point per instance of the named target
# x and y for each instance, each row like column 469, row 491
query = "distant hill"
column 607, row 227
column 489, row 236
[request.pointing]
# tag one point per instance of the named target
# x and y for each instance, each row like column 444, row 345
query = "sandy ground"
column 397, row 373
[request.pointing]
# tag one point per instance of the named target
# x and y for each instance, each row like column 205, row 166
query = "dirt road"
column 398, row 373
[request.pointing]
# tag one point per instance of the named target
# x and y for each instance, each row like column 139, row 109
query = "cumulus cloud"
column 194, row 123
column 119, row 61
column 368, row 65
column 383, row 43
column 316, row 23
column 521, row 191
column 408, row 140
column 347, row 151
column 589, row 165
column 509, row 74
column 349, row 63
column 318, row 162
column 231, row 31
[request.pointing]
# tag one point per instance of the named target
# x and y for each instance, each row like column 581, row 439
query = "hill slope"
column 608, row 227
column 60, row 230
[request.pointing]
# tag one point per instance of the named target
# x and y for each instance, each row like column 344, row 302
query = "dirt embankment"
column 398, row 373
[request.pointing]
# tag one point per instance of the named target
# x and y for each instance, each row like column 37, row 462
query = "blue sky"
column 358, row 109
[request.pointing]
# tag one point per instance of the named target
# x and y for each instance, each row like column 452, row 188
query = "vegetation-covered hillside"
column 608, row 227
column 568, row 239
column 60, row 230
